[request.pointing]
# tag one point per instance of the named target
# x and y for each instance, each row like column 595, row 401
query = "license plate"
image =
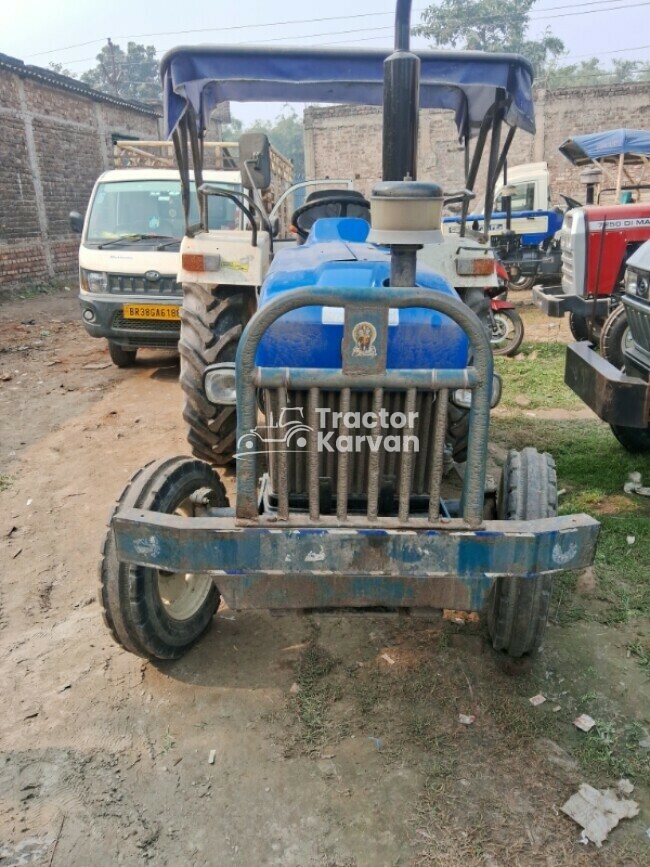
column 150, row 311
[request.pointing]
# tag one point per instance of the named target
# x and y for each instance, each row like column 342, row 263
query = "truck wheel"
column 518, row 607
column 150, row 612
column 613, row 337
column 579, row 326
column 121, row 357
column 211, row 325
column 634, row 439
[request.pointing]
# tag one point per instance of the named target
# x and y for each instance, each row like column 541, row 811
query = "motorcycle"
column 506, row 325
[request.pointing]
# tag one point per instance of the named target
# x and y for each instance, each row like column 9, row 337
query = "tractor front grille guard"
column 364, row 370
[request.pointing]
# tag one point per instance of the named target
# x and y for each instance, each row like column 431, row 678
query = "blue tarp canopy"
column 582, row 149
column 196, row 79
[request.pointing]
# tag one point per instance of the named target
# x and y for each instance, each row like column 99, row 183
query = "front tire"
column 211, row 325
column 635, row 439
column 150, row 612
column 579, row 326
column 120, row 356
column 613, row 337
column 518, row 607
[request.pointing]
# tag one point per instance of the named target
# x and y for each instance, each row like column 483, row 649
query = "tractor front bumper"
column 555, row 303
column 288, row 566
column 614, row 396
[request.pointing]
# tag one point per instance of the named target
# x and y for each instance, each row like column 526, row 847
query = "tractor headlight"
column 637, row 283
column 93, row 281
column 219, row 383
column 631, row 281
column 462, row 397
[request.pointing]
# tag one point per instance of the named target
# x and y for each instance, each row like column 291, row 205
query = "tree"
column 286, row 134
column 589, row 73
column 488, row 25
column 60, row 69
column 130, row 74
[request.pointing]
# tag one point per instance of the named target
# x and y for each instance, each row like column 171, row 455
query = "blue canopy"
column 582, row 149
column 195, row 79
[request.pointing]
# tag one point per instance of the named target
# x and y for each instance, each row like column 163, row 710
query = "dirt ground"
column 337, row 738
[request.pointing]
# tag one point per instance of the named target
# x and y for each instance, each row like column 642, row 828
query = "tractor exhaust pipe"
column 401, row 102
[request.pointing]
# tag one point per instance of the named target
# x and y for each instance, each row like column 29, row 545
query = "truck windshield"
column 138, row 207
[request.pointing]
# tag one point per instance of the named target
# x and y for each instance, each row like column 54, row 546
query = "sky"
column 71, row 32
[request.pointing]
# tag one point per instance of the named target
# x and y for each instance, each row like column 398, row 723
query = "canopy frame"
column 189, row 98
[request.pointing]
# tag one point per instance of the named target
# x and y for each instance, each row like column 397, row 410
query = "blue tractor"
column 348, row 493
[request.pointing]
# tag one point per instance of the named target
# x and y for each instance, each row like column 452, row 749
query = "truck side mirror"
column 76, row 222
column 255, row 160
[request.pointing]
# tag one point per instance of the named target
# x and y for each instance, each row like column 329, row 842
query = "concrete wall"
column 345, row 141
column 53, row 145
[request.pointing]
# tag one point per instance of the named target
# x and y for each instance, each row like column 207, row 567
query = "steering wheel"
column 335, row 206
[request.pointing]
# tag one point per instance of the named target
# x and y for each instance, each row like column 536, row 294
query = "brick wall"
column 53, row 145
column 345, row 141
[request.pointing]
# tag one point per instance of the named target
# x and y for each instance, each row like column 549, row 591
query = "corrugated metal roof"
column 64, row 82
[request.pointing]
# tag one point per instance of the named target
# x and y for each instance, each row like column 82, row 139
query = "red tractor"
column 599, row 238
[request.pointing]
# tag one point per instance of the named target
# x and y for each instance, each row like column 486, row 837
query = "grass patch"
column 538, row 377
column 641, row 650
column 315, row 694
column 5, row 482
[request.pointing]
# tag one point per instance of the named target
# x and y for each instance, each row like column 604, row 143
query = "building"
column 56, row 137
column 345, row 141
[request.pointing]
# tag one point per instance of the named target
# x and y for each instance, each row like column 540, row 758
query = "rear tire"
column 457, row 431
column 121, row 357
column 634, row 439
column 613, row 336
column 518, row 607
column 457, row 418
column 151, row 613
column 522, row 284
column 211, row 325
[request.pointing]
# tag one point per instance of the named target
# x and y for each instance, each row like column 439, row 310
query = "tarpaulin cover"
column 582, row 149
column 198, row 78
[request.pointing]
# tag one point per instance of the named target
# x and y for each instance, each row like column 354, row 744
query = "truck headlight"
column 462, row 397
column 637, row 283
column 93, row 281
column 219, row 383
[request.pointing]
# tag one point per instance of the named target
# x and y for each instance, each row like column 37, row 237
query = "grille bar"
column 312, row 467
column 136, row 284
column 438, row 453
column 373, row 460
column 342, row 472
column 283, row 484
column 639, row 323
column 407, row 458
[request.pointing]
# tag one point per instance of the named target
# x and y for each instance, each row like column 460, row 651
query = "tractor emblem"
column 364, row 335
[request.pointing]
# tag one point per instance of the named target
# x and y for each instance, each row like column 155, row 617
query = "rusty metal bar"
column 406, row 469
column 373, row 461
column 283, row 480
column 342, row 470
column 326, row 378
column 438, row 454
column 312, row 458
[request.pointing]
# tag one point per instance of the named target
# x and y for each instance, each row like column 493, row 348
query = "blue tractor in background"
column 349, row 490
